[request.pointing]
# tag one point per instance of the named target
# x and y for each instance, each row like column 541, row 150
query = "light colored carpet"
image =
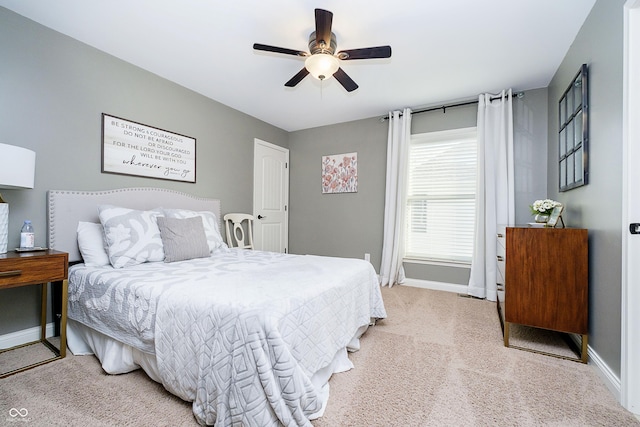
column 541, row 340
column 438, row 360
column 24, row 356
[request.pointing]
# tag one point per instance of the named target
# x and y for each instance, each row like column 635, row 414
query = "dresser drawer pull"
column 500, row 258
column 10, row 273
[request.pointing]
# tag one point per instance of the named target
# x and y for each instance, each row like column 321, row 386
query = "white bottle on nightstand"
column 27, row 236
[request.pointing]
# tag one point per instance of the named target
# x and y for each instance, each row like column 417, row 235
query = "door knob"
column 261, row 217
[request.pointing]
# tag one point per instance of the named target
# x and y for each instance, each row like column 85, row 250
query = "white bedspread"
column 241, row 333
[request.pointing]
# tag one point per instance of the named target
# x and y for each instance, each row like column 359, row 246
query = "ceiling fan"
column 321, row 61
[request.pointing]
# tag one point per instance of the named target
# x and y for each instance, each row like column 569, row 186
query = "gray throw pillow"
column 183, row 239
column 209, row 220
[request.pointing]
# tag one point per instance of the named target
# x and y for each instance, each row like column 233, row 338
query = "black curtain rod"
column 444, row 107
column 459, row 104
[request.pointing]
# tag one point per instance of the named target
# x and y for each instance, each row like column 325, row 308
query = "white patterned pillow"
column 91, row 244
column 210, row 222
column 132, row 237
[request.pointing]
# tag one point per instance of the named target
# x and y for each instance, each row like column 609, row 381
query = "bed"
column 250, row 337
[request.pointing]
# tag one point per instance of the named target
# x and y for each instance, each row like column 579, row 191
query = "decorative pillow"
column 132, row 237
column 91, row 244
column 210, row 222
column 183, row 238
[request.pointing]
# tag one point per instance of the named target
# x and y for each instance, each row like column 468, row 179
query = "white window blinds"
column 441, row 196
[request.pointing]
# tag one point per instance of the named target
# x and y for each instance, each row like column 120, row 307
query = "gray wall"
column 598, row 205
column 346, row 224
column 530, row 151
column 53, row 91
column 351, row 224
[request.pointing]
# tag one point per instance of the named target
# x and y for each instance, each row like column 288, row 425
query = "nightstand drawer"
column 24, row 270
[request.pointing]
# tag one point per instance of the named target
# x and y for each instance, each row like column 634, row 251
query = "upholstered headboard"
column 66, row 208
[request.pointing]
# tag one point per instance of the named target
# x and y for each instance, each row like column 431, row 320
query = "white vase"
column 542, row 218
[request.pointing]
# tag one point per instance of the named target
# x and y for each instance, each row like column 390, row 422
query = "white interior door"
column 270, row 197
column 630, row 368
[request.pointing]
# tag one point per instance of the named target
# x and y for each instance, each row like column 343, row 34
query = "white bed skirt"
column 119, row 358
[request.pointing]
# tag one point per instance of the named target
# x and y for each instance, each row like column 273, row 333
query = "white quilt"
column 241, row 333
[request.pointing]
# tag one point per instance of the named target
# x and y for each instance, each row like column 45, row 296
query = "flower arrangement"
column 543, row 207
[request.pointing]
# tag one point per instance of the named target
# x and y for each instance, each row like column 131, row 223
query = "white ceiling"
column 443, row 50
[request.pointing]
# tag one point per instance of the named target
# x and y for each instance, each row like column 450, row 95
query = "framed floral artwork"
column 340, row 173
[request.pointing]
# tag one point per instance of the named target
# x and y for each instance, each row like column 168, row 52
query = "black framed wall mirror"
column 574, row 133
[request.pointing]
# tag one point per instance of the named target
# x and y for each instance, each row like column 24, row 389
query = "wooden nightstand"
column 38, row 268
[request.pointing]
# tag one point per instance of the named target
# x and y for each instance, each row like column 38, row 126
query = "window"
column 574, row 133
column 441, row 188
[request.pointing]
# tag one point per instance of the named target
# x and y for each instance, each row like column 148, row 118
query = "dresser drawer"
column 19, row 271
column 500, row 256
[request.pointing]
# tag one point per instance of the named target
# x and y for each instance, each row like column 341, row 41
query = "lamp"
column 17, row 170
column 321, row 65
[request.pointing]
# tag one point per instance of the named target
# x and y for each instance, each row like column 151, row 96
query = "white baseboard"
column 605, row 373
column 609, row 378
column 436, row 286
column 24, row 336
column 602, row 369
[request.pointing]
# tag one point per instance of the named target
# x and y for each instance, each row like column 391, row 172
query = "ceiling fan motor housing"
column 315, row 47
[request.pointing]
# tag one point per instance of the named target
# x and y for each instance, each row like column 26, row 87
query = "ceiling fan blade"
column 345, row 80
column 365, row 53
column 297, row 78
column 267, row 48
column 324, row 18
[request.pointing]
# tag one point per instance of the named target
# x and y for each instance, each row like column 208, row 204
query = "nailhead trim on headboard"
column 65, row 208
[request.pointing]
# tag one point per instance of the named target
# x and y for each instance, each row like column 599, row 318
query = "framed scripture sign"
column 130, row 148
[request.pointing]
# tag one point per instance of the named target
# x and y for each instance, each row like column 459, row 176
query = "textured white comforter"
column 241, row 333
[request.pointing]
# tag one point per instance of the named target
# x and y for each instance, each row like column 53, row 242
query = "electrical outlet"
column 367, row 257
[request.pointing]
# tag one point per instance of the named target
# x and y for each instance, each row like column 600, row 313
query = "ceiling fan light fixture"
column 321, row 65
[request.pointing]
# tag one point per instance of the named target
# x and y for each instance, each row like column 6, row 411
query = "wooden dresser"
column 545, row 280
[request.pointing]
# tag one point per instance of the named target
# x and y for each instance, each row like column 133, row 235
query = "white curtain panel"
column 495, row 189
column 391, row 270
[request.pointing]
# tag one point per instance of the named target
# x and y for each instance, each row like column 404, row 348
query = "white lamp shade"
column 321, row 65
column 17, row 167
